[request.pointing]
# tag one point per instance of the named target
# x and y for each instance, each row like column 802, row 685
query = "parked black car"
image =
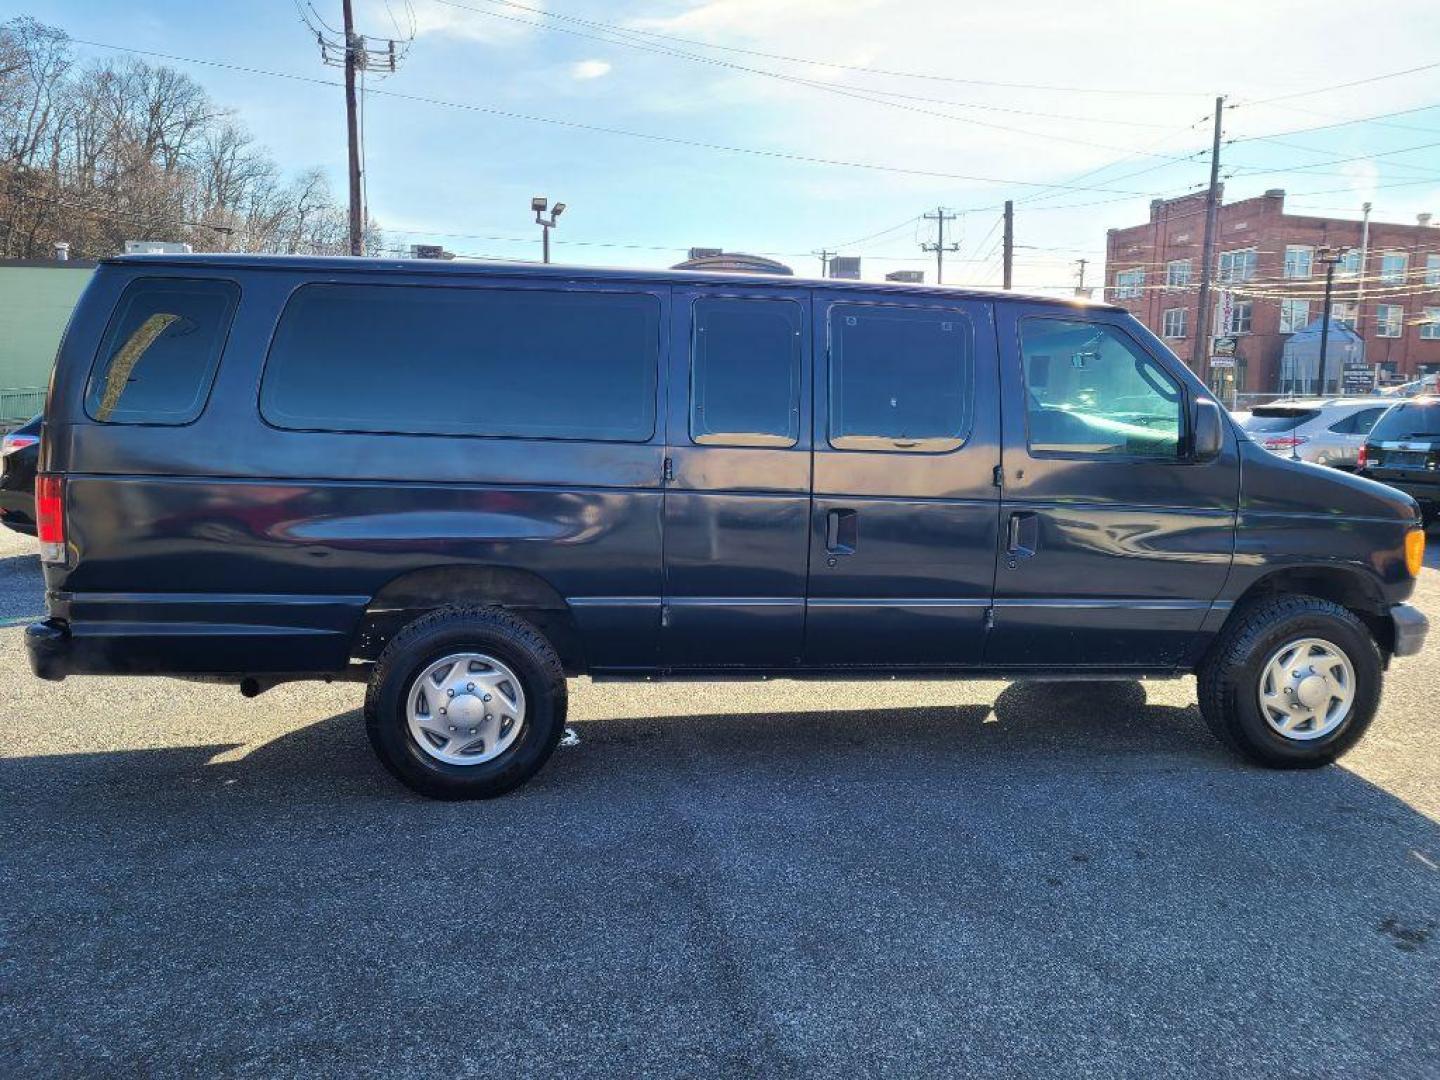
column 463, row 483
column 1403, row 450
column 19, row 455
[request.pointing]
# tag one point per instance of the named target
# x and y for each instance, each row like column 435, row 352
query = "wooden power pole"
column 357, row 211
column 1008, row 253
column 1200, row 356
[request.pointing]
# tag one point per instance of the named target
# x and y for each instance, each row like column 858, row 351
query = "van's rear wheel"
column 1292, row 683
column 466, row 703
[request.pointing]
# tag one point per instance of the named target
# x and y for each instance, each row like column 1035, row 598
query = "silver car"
column 1327, row 431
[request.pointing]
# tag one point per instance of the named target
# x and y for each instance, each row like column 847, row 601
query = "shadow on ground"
column 1075, row 882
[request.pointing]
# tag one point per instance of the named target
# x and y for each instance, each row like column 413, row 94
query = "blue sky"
column 464, row 177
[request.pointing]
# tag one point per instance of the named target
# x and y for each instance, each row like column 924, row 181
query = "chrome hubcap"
column 1307, row 689
column 465, row 709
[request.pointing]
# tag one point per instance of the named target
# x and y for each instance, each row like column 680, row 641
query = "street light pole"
column 538, row 204
column 1330, row 257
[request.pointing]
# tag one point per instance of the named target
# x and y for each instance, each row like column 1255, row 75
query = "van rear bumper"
column 293, row 635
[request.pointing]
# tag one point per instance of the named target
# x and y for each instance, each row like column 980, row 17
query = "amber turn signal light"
column 1414, row 551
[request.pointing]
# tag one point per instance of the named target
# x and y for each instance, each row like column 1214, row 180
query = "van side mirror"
column 1208, row 428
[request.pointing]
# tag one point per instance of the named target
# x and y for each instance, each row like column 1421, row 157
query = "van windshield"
column 1410, row 420
column 1272, row 418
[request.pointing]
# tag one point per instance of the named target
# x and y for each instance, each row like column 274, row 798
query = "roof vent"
column 1423, row 219
column 1275, row 193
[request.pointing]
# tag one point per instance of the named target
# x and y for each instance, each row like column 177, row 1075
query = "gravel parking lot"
column 775, row 879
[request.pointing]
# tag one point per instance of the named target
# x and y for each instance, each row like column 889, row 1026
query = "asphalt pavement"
column 741, row 880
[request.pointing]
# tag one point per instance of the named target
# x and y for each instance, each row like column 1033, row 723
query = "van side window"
column 901, row 378
column 440, row 360
column 161, row 350
column 745, row 372
column 1090, row 390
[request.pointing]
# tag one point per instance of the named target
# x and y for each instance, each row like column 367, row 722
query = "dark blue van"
column 462, row 483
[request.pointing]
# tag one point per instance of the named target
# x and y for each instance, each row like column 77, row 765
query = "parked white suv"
column 1327, row 431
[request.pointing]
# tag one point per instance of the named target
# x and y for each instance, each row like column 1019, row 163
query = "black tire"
column 491, row 631
column 1229, row 679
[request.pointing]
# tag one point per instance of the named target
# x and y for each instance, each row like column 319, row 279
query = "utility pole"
column 824, row 256
column 352, row 129
column 1080, row 289
column 1200, row 357
column 939, row 247
column 1008, row 241
column 1360, row 270
column 1330, row 258
column 347, row 49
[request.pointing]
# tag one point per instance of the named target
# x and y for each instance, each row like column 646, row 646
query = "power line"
column 1337, row 86
column 576, row 125
column 857, row 94
column 1128, row 92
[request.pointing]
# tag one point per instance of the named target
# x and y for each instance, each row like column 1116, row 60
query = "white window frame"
column 1432, row 269
column 1391, row 276
column 1177, row 273
column 1248, row 259
column 1173, row 333
column 1344, row 314
column 1129, row 284
column 1430, row 328
column 1349, row 264
column 1288, row 325
column 1389, row 320
column 1295, row 251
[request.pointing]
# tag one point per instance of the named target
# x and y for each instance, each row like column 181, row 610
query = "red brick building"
column 1266, row 260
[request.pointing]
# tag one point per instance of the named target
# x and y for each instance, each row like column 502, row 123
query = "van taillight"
column 50, row 518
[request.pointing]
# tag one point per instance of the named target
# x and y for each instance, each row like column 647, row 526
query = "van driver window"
column 1090, row 390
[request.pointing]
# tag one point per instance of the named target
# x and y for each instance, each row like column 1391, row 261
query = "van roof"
column 330, row 264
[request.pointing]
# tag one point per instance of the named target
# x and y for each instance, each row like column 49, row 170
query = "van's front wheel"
column 1293, row 683
column 466, row 703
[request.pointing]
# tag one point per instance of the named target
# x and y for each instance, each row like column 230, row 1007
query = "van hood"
column 1273, row 484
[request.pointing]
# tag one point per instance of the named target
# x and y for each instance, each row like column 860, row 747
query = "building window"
column 1393, row 265
column 1129, row 283
column 1389, row 320
column 1294, row 315
column 1298, row 261
column 1430, row 328
column 1241, row 316
column 1173, row 324
column 1238, row 265
column 1343, row 315
column 1432, row 269
column 1349, row 264
column 1177, row 273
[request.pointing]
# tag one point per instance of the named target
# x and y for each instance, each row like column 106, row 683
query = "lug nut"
column 442, row 712
column 488, row 717
column 486, row 698
column 452, row 727
column 449, row 693
column 472, row 731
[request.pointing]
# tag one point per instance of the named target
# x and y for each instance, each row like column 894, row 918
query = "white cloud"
column 430, row 18
column 590, row 69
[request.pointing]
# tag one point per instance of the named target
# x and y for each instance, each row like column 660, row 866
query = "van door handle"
column 1023, row 535
column 842, row 532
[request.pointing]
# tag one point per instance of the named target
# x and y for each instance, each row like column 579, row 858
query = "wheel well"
column 1350, row 589
column 526, row 594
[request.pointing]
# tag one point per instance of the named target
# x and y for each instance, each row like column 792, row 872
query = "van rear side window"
column 901, row 378
column 161, row 350
column 439, row 360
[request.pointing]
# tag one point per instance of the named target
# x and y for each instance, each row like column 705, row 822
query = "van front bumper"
column 1410, row 629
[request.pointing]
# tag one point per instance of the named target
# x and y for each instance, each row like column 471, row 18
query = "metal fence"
column 18, row 404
